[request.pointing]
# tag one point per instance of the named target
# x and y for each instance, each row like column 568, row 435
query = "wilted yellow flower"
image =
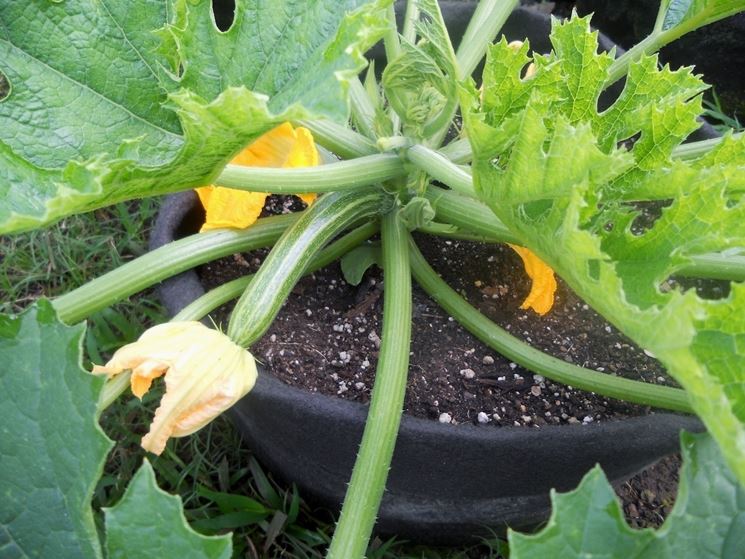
column 284, row 146
column 543, row 282
column 205, row 373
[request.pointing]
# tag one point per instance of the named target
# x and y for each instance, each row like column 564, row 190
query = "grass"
column 221, row 484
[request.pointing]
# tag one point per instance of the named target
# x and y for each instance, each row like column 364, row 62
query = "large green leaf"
column 707, row 521
column 51, row 448
column 556, row 178
column 149, row 523
column 52, row 453
column 102, row 108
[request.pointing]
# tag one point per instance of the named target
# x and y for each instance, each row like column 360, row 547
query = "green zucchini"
column 285, row 264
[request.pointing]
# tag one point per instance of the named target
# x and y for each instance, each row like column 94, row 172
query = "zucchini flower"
column 542, row 281
column 284, row 146
column 205, row 374
column 542, row 278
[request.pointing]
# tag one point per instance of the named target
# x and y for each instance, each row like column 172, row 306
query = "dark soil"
column 326, row 339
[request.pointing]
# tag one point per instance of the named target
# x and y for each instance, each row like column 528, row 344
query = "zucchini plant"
column 101, row 101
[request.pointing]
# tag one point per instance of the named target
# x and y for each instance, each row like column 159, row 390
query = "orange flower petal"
column 543, row 281
column 283, row 146
column 205, row 374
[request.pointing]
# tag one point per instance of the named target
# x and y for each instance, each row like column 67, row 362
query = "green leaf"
column 75, row 137
column 148, row 522
column 51, row 447
column 420, row 84
column 707, row 521
column 357, row 261
column 559, row 184
column 690, row 14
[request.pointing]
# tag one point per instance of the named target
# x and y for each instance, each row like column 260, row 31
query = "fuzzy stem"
column 344, row 175
column 293, row 252
column 208, row 302
column 367, row 484
column 441, row 168
column 411, row 16
column 487, row 20
column 363, row 111
column 341, row 140
column 471, row 215
column 165, row 262
column 458, row 151
column 535, row 360
column 692, row 150
column 201, row 307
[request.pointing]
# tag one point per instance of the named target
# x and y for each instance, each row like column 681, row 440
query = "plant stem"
column 208, row 302
column 392, row 46
column 620, row 66
column 370, row 472
column 692, row 150
column 535, row 360
column 228, row 291
column 441, row 168
column 468, row 214
column 363, row 111
column 487, row 20
column 341, row 140
column 458, row 151
column 471, row 215
column 715, row 266
column 343, row 175
column 165, row 262
column 293, row 252
column 411, row 16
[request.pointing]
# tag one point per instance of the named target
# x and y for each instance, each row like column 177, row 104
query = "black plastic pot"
column 447, row 483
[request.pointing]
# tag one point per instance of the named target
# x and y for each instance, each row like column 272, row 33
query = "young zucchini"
column 285, row 264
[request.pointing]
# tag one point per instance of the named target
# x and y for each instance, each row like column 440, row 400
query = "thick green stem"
column 535, row 360
column 343, row 175
column 692, row 150
column 441, row 168
column 165, row 262
column 367, row 484
column 485, row 23
column 468, row 214
column 620, row 66
column 487, row 20
column 391, row 42
column 341, row 140
column 363, row 111
column 208, row 302
column 411, row 16
column 291, row 255
column 458, row 151
column 471, row 215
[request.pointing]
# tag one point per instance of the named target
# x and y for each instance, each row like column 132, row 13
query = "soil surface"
column 327, row 338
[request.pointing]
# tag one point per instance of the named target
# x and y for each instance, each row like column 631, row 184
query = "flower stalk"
column 533, row 359
column 370, row 472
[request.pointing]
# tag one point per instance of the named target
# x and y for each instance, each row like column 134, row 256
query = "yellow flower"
column 543, row 282
column 284, row 146
column 205, row 373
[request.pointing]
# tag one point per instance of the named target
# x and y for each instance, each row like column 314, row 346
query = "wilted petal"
column 205, row 374
column 543, row 282
column 283, row 146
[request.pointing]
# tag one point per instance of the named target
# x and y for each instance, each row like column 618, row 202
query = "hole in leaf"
column 4, row 87
column 224, row 13
column 647, row 214
column 711, row 289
